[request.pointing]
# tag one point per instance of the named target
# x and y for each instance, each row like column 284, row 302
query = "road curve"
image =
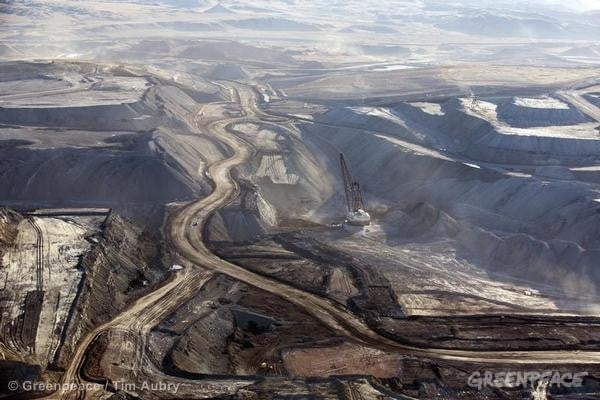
column 185, row 234
column 71, row 375
column 576, row 98
column 186, row 237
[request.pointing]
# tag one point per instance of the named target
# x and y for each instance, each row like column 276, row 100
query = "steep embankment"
column 9, row 220
column 118, row 108
column 243, row 220
column 124, row 263
column 108, row 176
column 135, row 138
column 523, row 112
column 288, row 179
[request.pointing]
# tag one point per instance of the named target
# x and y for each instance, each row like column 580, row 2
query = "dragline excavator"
column 356, row 214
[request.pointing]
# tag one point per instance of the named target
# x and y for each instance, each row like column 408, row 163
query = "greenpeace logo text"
column 525, row 379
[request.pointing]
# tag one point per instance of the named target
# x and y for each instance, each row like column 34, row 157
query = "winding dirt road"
column 185, row 232
column 187, row 239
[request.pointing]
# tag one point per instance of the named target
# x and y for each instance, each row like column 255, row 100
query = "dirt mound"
column 489, row 24
column 195, row 345
column 593, row 98
column 560, row 263
column 93, row 176
column 554, row 172
column 539, row 213
column 127, row 150
column 525, row 113
column 219, row 9
column 418, row 220
column 452, row 128
column 111, row 101
column 290, row 173
column 373, row 118
column 228, row 72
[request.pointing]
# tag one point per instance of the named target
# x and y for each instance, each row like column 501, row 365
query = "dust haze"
column 298, row 199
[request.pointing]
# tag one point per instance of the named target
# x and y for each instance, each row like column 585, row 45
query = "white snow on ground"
column 380, row 112
column 303, row 116
column 540, row 102
column 392, row 68
column 429, row 108
column 487, row 111
column 587, row 168
column 472, row 165
column 414, row 147
column 479, row 108
column 274, row 167
column 69, row 55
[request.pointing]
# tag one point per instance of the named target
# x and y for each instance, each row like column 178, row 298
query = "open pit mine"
column 276, row 200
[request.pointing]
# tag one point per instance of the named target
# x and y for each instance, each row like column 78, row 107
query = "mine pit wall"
column 399, row 178
column 244, row 220
column 9, row 220
column 147, row 147
column 162, row 105
column 124, row 264
column 20, row 332
column 37, row 318
column 525, row 117
column 100, row 117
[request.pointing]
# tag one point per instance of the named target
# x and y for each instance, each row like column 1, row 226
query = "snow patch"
column 303, row 116
column 487, row 111
column 546, row 102
column 380, row 112
column 472, row 165
column 429, row 108
column 396, row 67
